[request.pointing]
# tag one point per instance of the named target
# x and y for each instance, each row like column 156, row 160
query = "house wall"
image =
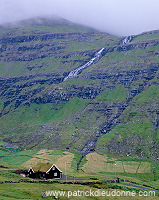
column 54, row 173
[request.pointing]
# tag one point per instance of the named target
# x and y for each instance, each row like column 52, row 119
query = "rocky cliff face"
column 110, row 107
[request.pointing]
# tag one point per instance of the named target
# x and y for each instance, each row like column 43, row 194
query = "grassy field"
column 95, row 167
column 35, row 192
column 97, row 164
column 109, row 165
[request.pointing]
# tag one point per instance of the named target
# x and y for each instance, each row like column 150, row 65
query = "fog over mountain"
column 120, row 17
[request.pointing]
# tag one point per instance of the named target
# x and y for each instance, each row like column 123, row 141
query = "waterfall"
column 127, row 40
column 75, row 72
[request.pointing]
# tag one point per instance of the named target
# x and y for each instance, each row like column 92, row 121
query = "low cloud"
column 120, row 17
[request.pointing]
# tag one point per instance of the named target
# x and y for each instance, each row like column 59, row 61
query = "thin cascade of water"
column 75, row 72
column 127, row 40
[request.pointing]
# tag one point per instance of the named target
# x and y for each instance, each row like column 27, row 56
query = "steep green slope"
column 40, row 48
column 110, row 107
column 138, row 133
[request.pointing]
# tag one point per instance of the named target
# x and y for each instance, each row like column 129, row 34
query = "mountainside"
column 110, row 106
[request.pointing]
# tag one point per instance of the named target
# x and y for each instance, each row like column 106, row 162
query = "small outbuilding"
column 45, row 171
column 11, row 146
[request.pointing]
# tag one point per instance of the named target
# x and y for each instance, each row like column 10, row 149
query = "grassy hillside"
column 138, row 130
column 110, row 107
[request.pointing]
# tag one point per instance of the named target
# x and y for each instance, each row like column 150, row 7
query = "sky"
column 118, row 17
